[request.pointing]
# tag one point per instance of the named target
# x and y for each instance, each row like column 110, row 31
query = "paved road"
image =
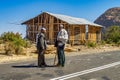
column 29, row 70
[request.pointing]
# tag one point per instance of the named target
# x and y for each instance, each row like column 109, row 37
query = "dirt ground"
column 30, row 53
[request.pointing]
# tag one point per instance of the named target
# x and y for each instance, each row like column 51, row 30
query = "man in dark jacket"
column 41, row 47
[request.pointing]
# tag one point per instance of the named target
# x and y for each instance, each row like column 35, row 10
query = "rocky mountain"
column 109, row 18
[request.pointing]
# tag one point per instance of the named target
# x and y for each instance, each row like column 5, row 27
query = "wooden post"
column 68, row 33
column 27, row 30
column 41, row 20
column 51, row 29
column 33, row 30
column 100, row 37
column 38, row 25
column 72, row 35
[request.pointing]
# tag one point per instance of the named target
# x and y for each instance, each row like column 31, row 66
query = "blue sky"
column 13, row 12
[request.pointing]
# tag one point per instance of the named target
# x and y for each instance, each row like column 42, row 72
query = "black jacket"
column 41, row 42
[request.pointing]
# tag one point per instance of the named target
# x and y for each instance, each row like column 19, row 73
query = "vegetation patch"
column 112, row 35
column 90, row 44
column 13, row 43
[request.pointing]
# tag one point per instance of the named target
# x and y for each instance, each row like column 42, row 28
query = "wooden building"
column 79, row 29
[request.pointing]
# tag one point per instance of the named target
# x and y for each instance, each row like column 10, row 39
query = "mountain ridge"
column 109, row 18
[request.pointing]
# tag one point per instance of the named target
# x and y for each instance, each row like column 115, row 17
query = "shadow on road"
column 32, row 66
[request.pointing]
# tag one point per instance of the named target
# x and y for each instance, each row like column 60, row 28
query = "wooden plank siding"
column 94, row 33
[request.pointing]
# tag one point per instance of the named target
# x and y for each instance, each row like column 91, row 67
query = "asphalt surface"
column 29, row 71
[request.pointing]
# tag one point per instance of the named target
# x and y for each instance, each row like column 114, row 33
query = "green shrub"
column 118, row 43
column 112, row 34
column 15, row 38
column 27, row 44
column 90, row 44
column 102, row 42
column 1, row 41
column 18, row 50
column 109, row 41
column 14, row 43
column 9, row 48
column 10, row 36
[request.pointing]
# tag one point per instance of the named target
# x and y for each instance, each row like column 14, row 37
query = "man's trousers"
column 41, row 57
column 61, row 55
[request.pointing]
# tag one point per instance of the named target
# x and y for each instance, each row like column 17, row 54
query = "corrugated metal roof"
column 72, row 20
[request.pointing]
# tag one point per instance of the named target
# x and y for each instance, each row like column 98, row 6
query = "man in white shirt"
column 62, row 38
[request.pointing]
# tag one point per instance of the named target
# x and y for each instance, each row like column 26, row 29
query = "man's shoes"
column 39, row 66
column 59, row 65
column 45, row 65
column 62, row 65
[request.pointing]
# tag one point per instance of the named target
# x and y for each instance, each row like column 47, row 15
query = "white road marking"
column 86, row 71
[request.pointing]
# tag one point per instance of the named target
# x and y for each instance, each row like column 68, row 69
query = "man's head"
column 43, row 30
column 61, row 27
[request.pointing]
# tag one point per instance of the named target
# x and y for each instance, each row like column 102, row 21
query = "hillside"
column 109, row 18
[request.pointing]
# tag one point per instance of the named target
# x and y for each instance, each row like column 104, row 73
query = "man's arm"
column 66, row 35
column 42, row 42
